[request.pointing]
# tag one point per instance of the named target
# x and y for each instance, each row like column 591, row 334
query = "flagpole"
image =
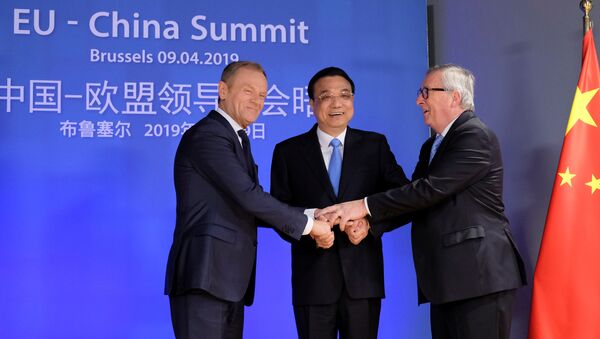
column 586, row 7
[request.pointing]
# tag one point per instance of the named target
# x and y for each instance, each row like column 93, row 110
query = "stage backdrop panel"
column 94, row 97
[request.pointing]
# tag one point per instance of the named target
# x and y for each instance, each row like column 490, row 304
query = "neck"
column 334, row 132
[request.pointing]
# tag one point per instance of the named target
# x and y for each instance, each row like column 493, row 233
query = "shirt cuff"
column 309, row 223
column 367, row 206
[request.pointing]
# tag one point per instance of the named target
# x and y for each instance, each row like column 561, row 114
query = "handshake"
column 349, row 215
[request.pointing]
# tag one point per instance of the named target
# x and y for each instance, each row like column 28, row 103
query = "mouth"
column 335, row 114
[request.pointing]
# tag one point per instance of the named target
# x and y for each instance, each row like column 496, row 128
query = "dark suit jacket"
column 299, row 177
column 218, row 205
column 462, row 243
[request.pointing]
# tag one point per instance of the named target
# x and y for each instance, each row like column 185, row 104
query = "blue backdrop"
column 94, row 97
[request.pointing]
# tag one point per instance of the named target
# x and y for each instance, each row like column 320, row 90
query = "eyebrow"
column 342, row 90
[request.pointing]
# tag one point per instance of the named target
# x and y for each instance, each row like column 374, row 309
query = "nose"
column 420, row 99
column 257, row 99
column 336, row 101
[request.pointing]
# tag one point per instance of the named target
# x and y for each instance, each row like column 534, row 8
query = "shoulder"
column 474, row 127
column 295, row 141
column 366, row 136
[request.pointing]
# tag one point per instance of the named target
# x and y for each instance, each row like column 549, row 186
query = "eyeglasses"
column 329, row 97
column 424, row 91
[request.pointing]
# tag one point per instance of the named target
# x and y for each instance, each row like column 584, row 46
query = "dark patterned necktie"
column 248, row 153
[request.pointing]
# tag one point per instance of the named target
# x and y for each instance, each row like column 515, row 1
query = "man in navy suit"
column 212, row 262
column 466, row 261
column 328, row 164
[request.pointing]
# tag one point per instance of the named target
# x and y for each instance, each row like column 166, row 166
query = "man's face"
column 437, row 108
column 333, row 104
column 243, row 96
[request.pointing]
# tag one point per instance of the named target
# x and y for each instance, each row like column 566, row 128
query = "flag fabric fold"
column 566, row 288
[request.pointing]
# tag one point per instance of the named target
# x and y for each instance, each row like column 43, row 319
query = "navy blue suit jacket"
column 219, row 206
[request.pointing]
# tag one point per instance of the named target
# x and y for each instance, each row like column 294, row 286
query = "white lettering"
column 236, row 31
column 36, row 22
column 17, row 21
column 134, row 28
column 93, row 24
column 202, row 29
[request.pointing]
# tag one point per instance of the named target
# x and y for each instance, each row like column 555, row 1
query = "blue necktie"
column 335, row 165
column 434, row 147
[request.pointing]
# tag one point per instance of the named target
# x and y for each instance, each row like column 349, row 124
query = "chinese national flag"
column 566, row 287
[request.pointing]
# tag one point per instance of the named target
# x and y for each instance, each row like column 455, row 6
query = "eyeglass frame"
column 344, row 95
column 424, row 91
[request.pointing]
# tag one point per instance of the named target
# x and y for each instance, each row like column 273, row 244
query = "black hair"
column 327, row 72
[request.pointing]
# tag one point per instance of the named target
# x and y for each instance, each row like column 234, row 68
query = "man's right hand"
column 322, row 233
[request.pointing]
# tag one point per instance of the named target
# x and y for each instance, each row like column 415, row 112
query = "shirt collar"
column 325, row 139
column 445, row 131
column 236, row 127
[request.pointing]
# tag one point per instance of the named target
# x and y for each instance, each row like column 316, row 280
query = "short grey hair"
column 233, row 67
column 456, row 78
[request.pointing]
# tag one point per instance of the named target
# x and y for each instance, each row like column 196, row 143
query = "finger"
column 343, row 222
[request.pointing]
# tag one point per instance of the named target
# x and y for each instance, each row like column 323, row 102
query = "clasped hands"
column 351, row 218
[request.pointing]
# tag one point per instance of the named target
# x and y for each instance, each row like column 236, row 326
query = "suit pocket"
column 216, row 231
column 454, row 238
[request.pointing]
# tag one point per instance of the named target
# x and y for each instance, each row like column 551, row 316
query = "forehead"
column 329, row 83
column 248, row 76
column 433, row 78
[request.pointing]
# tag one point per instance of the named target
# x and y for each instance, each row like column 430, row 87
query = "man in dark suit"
column 212, row 262
column 350, row 276
column 466, row 261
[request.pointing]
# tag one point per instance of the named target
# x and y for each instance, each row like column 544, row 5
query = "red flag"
column 566, row 286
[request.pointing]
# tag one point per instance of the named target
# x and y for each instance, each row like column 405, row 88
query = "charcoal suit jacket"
column 299, row 177
column 461, row 239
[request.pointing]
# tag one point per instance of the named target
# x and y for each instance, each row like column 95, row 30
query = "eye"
column 325, row 97
column 346, row 95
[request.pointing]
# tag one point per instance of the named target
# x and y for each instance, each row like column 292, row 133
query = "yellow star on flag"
column 579, row 109
column 594, row 184
column 566, row 176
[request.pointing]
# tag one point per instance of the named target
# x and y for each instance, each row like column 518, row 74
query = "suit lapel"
column 350, row 161
column 464, row 116
column 232, row 135
column 311, row 151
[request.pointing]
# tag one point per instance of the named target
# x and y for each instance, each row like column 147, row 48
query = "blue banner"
column 94, row 97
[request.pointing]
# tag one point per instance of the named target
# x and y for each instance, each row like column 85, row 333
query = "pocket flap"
column 217, row 231
column 462, row 235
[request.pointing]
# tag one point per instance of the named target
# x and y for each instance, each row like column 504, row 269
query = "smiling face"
column 333, row 104
column 440, row 107
column 243, row 95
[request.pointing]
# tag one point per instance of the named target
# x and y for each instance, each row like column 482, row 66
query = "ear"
column 223, row 90
column 311, row 102
column 456, row 98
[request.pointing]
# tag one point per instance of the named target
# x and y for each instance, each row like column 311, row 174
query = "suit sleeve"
column 280, row 187
column 393, row 177
column 464, row 161
column 213, row 154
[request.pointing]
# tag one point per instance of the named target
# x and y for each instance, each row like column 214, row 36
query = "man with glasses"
column 328, row 164
column 467, row 264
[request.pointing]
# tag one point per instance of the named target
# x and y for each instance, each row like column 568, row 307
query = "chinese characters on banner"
column 140, row 99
